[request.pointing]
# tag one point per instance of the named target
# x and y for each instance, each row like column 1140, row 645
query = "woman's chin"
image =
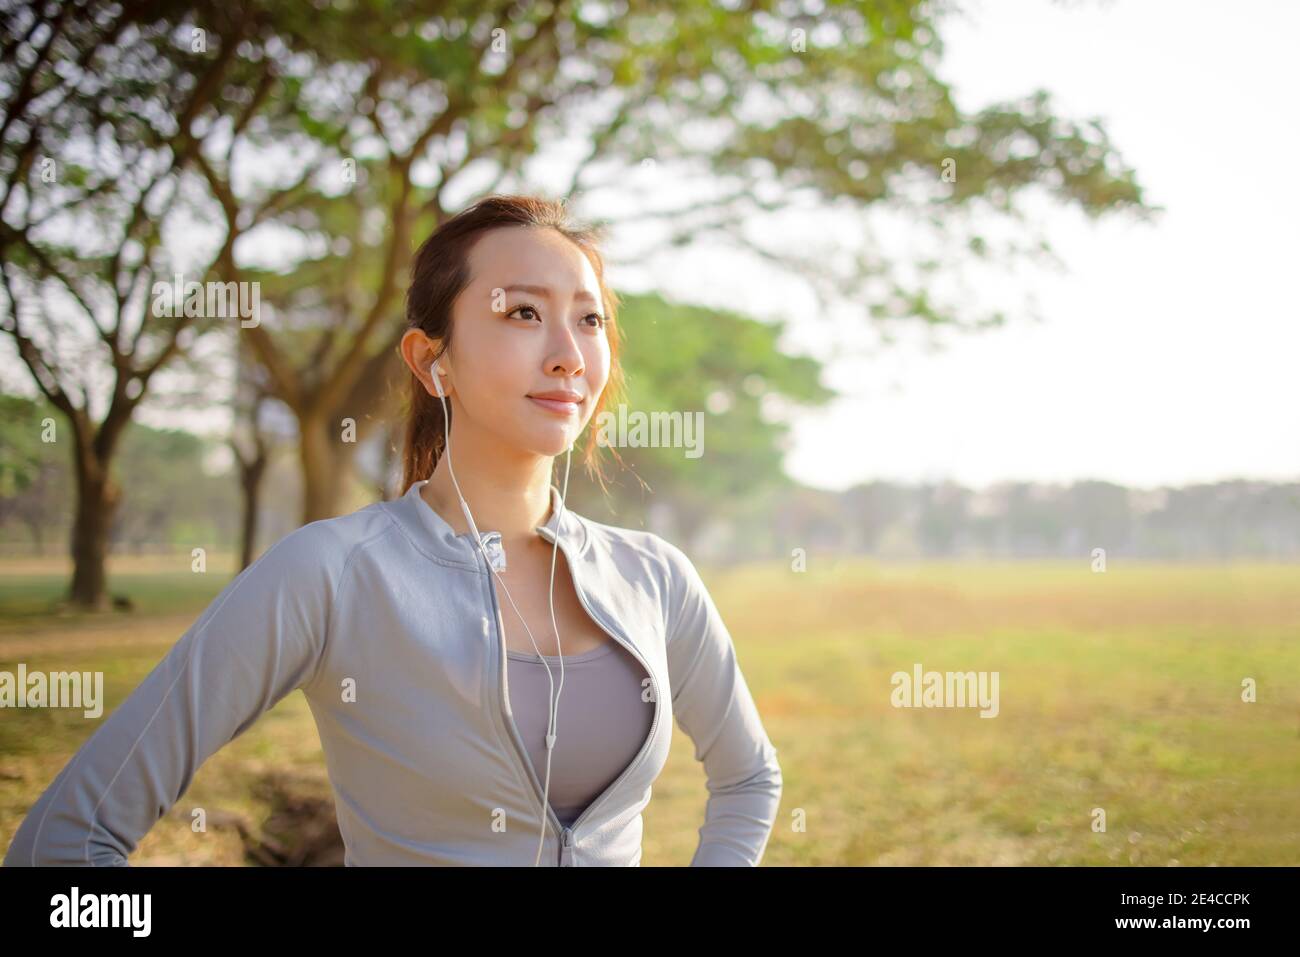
column 550, row 442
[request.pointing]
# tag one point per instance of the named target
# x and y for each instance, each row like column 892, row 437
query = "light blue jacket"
column 389, row 623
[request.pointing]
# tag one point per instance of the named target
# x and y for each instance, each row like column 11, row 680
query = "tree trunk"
column 250, row 482
column 97, row 500
column 326, row 462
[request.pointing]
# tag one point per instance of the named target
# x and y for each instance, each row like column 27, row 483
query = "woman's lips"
column 555, row 405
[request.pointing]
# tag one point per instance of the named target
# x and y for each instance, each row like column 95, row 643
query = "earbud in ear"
column 436, row 373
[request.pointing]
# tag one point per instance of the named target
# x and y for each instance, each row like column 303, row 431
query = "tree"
column 106, row 109
column 726, row 437
column 252, row 450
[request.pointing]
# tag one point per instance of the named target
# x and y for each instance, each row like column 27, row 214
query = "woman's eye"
column 532, row 314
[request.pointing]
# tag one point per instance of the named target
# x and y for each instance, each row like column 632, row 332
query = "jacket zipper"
column 566, row 833
column 566, row 848
column 512, row 729
column 654, row 687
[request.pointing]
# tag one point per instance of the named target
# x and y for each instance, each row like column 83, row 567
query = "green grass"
column 31, row 600
column 1118, row 691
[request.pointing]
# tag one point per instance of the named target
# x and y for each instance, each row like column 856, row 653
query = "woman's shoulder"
column 667, row 560
column 328, row 544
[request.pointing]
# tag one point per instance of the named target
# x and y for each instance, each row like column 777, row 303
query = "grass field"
column 1119, row 690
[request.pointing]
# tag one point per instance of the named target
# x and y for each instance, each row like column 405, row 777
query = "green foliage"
column 691, row 359
column 168, row 499
column 21, row 449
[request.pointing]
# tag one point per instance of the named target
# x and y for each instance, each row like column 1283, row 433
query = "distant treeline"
column 1231, row 519
column 171, row 502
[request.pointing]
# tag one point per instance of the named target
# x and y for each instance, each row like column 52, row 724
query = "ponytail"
column 426, row 434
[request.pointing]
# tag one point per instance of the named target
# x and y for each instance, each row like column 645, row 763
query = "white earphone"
column 553, row 703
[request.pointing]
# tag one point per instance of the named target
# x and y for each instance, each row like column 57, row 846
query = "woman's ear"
column 419, row 352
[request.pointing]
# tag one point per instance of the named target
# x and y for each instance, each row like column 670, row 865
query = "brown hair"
column 440, row 271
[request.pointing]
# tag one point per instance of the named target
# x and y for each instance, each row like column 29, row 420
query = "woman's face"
column 530, row 321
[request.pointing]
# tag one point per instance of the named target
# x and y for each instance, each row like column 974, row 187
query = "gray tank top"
column 601, row 722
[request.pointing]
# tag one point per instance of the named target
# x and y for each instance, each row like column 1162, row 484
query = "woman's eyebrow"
column 546, row 291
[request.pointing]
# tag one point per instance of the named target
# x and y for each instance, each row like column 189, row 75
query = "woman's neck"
column 513, row 505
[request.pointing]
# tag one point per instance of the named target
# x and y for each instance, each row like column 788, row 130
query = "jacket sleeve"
column 258, row 640
column 714, row 707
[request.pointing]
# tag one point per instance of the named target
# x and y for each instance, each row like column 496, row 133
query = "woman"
column 430, row 695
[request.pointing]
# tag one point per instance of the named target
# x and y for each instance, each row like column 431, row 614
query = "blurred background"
column 983, row 312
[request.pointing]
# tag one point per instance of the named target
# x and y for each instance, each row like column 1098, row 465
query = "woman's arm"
column 714, row 707
column 261, row 638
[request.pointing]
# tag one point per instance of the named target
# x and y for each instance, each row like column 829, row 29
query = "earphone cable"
column 553, row 697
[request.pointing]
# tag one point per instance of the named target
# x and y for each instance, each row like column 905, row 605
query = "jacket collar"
column 433, row 535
